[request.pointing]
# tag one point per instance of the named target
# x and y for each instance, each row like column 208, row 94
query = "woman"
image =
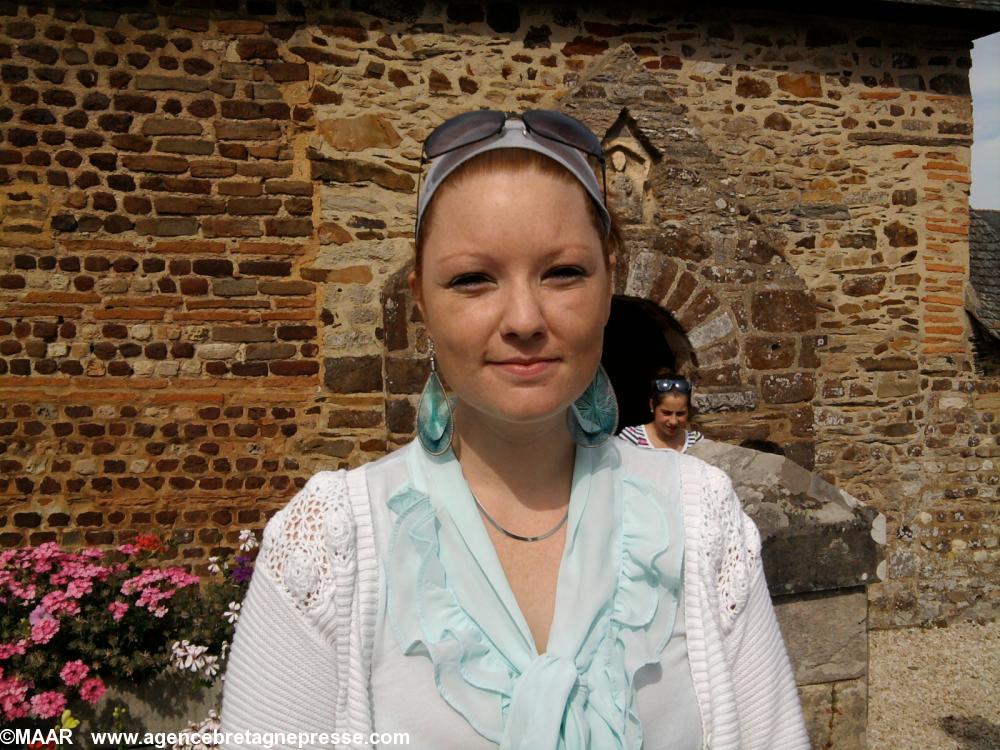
column 670, row 402
column 514, row 578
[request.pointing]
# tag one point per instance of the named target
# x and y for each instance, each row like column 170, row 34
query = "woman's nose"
column 523, row 316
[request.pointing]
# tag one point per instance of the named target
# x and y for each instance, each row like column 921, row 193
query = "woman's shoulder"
column 330, row 489
column 634, row 434
column 325, row 529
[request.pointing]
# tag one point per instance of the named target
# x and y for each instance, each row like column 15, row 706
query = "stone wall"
column 206, row 220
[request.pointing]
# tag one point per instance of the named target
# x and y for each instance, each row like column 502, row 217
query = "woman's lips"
column 526, row 369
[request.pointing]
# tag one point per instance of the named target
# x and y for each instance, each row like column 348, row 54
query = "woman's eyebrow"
column 466, row 257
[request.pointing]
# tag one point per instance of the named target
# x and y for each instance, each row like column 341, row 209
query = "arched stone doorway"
column 640, row 338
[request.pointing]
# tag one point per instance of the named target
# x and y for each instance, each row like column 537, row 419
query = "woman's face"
column 670, row 415
column 515, row 293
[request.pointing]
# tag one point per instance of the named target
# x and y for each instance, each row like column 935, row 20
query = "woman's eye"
column 567, row 272
column 468, row 279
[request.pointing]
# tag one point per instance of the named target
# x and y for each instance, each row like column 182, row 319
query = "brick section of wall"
column 206, row 219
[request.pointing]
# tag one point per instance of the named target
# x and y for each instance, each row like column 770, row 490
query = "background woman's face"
column 671, row 414
column 515, row 293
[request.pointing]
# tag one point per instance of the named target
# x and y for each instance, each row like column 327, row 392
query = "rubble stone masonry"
column 206, row 219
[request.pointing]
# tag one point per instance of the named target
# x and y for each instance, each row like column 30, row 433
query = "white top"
column 403, row 687
column 310, row 652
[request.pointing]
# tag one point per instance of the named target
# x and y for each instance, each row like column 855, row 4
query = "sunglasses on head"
column 471, row 127
column 665, row 385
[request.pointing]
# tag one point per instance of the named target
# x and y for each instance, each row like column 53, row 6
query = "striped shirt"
column 637, row 435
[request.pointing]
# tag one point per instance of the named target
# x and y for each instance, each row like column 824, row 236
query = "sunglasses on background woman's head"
column 666, row 385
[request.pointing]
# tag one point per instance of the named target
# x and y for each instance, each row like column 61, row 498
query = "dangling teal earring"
column 593, row 417
column 435, row 419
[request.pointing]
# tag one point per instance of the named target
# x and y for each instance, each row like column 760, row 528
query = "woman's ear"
column 413, row 280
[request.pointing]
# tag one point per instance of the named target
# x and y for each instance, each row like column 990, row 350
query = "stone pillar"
column 821, row 547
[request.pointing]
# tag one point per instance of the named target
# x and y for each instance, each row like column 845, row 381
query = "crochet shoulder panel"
column 310, row 543
column 730, row 542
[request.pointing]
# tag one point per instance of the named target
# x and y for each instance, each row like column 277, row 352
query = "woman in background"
column 670, row 402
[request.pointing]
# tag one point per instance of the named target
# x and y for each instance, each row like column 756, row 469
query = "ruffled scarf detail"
column 617, row 594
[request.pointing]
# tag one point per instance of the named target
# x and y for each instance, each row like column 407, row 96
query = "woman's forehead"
column 511, row 213
column 672, row 402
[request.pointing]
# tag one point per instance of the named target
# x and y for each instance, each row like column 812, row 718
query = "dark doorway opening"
column 640, row 338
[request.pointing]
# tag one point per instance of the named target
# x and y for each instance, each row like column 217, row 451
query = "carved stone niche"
column 629, row 162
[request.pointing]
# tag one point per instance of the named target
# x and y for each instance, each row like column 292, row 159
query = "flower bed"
column 73, row 621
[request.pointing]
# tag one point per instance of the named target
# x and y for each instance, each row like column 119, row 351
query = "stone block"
column 239, row 130
column 234, row 287
column 359, row 133
column 771, row 353
column 815, row 536
column 788, row 388
column 270, row 351
column 711, row 331
column 826, row 634
column 348, row 171
column 783, row 310
column 242, row 333
column 170, row 83
column 804, row 85
column 741, row 400
column 836, row 714
column 353, row 374
column 354, row 418
column 406, row 375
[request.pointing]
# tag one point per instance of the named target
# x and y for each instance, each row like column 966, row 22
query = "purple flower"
column 243, row 570
column 38, row 614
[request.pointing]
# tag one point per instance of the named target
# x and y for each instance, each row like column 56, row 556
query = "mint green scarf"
column 617, row 593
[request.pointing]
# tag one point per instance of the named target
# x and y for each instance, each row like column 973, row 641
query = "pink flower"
column 44, row 630
column 13, row 698
column 55, row 602
column 79, row 587
column 23, row 592
column 117, row 610
column 160, row 611
column 127, row 549
column 92, row 689
column 74, row 672
column 8, row 650
column 48, row 704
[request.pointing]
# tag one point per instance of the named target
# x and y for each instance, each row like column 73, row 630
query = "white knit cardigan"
column 302, row 652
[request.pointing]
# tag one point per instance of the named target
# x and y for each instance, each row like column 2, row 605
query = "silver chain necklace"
column 511, row 534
